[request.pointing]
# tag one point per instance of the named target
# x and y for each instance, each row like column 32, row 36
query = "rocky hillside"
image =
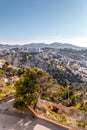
column 44, row 62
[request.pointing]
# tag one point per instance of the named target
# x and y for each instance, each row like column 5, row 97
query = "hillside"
column 51, row 75
column 42, row 45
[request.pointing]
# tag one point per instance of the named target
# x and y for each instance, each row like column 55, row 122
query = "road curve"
column 12, row 119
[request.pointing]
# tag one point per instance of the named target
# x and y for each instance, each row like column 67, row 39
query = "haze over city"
column 43, row 21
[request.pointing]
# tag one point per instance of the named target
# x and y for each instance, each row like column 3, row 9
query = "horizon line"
column 24, row 43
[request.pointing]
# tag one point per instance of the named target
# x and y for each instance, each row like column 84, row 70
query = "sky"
column 43, row 21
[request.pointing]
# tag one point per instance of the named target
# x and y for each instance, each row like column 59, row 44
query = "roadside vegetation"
column 7, row 91
column 33, row 84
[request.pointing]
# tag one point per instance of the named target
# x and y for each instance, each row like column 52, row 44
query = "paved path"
column 11, row 119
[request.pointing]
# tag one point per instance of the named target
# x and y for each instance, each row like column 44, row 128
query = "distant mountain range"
column 42, row 45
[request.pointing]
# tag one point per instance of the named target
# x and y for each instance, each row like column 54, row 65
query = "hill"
column 42, row 45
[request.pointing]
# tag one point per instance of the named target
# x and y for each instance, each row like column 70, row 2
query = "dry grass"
column 7, row 91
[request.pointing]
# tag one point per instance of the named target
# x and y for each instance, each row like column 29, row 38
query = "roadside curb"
column 6, row 98
column 50, row 120
column 38, row 116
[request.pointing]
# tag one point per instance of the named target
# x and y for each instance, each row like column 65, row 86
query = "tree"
column 27, row 90
column 34, row 83
column 66, row 83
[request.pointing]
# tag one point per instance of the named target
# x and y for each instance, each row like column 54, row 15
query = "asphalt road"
column 11, row 119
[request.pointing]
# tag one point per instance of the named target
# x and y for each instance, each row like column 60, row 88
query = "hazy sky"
column 25, row 21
